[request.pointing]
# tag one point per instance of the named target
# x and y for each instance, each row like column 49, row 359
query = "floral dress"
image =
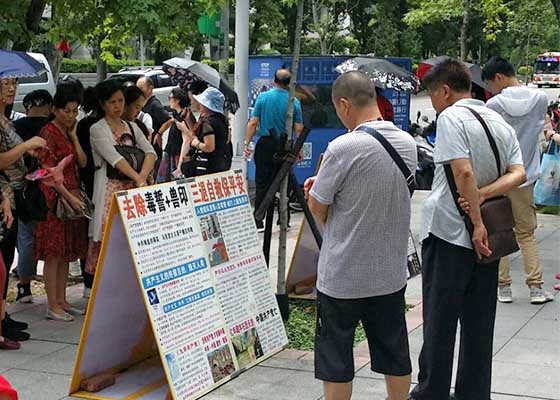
column 54, row 237
column 113, row 186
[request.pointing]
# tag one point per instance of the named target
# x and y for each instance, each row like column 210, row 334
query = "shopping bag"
column 547, row 189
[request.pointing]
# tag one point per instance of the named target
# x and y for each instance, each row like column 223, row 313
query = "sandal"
column 558, row 275
column 7, row 344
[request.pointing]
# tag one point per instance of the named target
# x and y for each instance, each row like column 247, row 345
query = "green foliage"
column 216, row 65
column 71, row 66
column 301, row 325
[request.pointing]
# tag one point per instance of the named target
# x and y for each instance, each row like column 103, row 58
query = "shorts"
column 383, row 319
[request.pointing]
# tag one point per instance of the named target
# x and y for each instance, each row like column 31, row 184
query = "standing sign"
column 182, row 299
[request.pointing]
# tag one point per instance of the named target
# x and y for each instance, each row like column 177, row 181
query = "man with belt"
column 269, row 118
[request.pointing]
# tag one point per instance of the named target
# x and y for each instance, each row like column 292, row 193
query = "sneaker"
column 24, row 294
column 260, row 226
column 504, row 295
column 539, row 295
column 557, row 286
column 557, row 276
column 11, row 333
column 87, row 293
column 11, row 323
column 75, row 269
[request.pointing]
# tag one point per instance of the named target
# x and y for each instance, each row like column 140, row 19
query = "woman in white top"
column 104, row 136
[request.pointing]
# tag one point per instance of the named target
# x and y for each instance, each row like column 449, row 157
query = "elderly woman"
column 204, row 149
column 104, row 136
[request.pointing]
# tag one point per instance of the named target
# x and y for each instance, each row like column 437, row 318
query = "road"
column 423, row 104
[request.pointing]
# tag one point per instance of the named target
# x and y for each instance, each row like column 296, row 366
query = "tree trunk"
column 254, row 36
column 100, row 64
column 319, row 24
column 32, row 20
column 465, row 30
column 556, row 4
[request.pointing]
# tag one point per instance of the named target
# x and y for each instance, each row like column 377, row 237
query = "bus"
column 547, row 70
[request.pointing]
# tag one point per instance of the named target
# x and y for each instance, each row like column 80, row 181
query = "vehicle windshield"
column 547, row 67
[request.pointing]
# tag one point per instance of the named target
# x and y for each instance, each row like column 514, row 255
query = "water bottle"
column 251, row 149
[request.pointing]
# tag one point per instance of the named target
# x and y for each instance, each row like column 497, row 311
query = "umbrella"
column 17, row 64
column 476, row 72
column 184, row 72
column 383, row 73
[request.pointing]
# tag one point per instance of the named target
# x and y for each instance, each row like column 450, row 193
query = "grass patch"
column 301, row 325
column 552, row 210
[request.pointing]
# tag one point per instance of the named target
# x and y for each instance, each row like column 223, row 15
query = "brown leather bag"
column 496, row 213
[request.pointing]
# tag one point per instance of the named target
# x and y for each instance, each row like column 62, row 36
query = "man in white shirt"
column 454, row 286
column 525, row 110
column 362, row 199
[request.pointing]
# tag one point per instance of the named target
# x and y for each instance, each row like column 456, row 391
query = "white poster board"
column 182, row 299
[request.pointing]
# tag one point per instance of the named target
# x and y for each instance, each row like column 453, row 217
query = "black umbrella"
column 383, row 73
column 184, row 72
column 475, row 70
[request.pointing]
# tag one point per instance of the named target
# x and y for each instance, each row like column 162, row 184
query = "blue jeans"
column 27, row 265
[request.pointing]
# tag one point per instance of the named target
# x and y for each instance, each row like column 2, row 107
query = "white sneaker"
column 75, row 269
column 505, row 295
column 539, row 295
column 87, row 293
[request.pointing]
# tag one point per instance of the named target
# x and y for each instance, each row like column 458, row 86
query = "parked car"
column 29, row 84
column 162, row 82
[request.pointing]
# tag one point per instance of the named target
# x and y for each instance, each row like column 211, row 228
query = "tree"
column 20, row 22
column 556, row 5
column 427, row 12
column 328, row 22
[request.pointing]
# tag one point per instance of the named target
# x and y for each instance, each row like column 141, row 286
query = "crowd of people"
column 70, row 153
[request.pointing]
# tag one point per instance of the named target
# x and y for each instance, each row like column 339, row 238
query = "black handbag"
column 131, row 153
column 31, row 204
column 497, row 213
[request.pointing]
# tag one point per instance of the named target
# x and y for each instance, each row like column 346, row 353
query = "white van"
column 27, row 85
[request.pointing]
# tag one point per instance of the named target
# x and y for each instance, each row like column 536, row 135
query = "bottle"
column 249, row 150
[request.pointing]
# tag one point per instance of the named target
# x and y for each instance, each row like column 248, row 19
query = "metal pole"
column 142, row 51
column 241, row 80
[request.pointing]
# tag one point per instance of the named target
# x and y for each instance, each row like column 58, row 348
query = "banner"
column 198, row 293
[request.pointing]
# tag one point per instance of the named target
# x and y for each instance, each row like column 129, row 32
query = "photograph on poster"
column 213, row 239
column 247, row 347
column 173, row 367
column 221, row 363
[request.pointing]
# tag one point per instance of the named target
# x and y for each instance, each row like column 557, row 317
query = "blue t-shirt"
column 271, row 108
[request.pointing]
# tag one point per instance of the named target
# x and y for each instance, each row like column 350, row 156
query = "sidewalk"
column 526, row 346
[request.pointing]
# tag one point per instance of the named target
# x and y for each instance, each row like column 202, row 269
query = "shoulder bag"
column 496, row 213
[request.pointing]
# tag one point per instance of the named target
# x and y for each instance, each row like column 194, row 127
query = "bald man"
column 153, row 106
column 362, row 200
column 269, row 122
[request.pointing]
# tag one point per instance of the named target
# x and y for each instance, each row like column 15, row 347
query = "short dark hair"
column 356, row 87
column 179, row 94
column 497, row 65
column 37, row 98
column 90, row 99
column 282, row 77
column 72, row 83
column 66, row 94
column 131, row 94
column 450, row 72
column 197, row 87
column 104, row 91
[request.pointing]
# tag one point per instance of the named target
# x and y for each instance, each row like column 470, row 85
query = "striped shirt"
column 366, row 234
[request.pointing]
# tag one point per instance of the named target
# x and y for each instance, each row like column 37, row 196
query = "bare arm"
column 251, row 129
column 208, row 144
column 514, row 177
column 467, row 187
column 319, row 211
column 298, row 128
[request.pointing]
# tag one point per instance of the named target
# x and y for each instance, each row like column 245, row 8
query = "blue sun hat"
column 212, row 99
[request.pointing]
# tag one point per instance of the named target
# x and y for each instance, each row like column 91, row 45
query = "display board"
column 182, row 299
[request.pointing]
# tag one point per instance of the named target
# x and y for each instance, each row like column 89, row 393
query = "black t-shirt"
column 174, row 141
column 211, row 163
column 159, row 116
column 27, row 128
